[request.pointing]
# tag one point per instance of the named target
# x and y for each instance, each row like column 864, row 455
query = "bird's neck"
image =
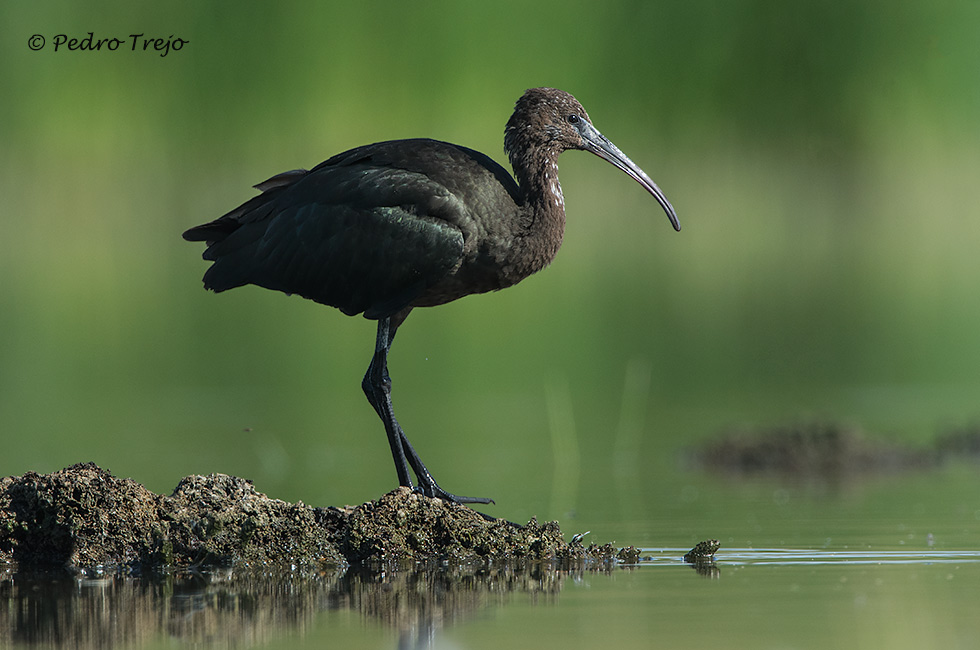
column 544, row 206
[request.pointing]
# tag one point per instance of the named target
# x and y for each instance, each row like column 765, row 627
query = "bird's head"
column 547, row 121
column 545, row 117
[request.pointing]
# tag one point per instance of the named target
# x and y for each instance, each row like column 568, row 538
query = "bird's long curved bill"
column 602, row 147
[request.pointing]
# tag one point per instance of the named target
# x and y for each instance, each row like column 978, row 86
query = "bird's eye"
column 572, row 119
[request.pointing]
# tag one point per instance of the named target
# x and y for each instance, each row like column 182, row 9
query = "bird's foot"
column 436, row 492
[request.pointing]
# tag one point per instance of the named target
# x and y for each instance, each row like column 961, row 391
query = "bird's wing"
column 357, row 237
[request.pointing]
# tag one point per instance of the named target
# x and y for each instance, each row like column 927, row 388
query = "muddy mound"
column 83, row 516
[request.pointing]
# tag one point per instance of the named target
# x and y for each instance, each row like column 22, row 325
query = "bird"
column 387, row 227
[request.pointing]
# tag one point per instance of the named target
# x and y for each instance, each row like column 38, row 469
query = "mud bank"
column 83, row 517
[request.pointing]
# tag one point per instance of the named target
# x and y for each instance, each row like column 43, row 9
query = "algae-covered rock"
column 406, row 525
column 83, row 516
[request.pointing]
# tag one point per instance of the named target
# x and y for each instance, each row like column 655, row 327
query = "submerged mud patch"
column 809, row 449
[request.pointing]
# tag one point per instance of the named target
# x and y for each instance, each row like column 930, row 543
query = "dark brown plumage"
column 387, row 227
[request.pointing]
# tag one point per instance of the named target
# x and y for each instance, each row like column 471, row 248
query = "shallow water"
column 749, row 597
column 874, row 561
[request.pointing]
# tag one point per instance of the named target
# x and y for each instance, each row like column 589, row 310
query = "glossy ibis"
column 387, row 227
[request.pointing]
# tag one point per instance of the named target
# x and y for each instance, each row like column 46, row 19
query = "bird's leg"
column 377, row 387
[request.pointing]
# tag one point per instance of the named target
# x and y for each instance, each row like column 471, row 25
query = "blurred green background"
column 822, row 157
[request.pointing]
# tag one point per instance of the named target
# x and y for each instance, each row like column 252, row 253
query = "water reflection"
column 247, row 608
column 254, row 608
